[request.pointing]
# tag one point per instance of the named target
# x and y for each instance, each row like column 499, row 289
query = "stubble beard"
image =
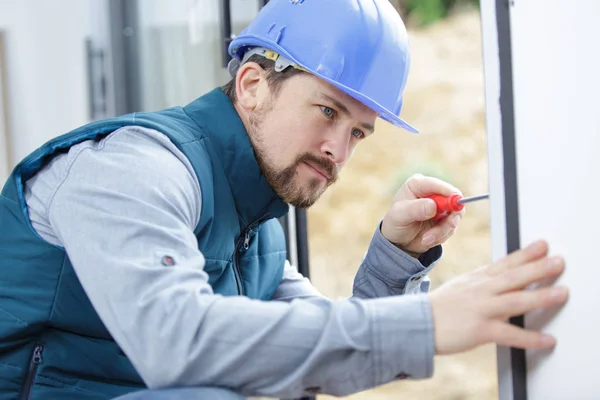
column 284, row 181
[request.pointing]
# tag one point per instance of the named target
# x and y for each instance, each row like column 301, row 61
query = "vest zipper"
column 243, row 241
column 236, row 268
column 36, row 359
column 247, row 240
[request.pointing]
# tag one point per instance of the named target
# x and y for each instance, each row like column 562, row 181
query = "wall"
column 45, row 71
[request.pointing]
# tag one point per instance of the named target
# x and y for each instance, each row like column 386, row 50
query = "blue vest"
column 52, row 343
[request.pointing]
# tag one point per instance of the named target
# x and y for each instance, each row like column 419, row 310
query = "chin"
column 305, row 199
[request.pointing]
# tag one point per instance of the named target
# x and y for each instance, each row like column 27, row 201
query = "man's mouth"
column 319, row 170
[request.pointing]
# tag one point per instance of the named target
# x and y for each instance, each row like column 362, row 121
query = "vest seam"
column 249, row 257
column 192, row 141
column 9, row 199
column 60, row 276
column 195, row 123
column 264, row 254
column 216, row 260
column 71, row 386
column 11, row 366
column 15, row 318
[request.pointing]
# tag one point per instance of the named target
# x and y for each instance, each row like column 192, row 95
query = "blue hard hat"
column 359, row 46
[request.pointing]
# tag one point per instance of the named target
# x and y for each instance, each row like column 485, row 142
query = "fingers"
column 506, row 334
column 445, row 228
column 422, row 186
column 532, row 252
column 522, row 302
column 536, row 271
column 410, row 211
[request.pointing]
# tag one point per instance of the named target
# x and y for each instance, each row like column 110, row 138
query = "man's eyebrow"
column 340, row 106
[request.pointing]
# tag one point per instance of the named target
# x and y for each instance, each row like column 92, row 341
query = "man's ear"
column 249, row 78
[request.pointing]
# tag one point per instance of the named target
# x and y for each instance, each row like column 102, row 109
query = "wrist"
column 399, row 246
column 410, row 253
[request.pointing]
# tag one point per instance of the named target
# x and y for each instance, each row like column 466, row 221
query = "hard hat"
column 359, row 46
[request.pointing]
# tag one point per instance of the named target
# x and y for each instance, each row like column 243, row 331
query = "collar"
column 254, row 198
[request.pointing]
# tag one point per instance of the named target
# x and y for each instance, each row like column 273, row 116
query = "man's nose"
column 336, row 146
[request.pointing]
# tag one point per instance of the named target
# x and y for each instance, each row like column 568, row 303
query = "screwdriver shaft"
column 465, row 200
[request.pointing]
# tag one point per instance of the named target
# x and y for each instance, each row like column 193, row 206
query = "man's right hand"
column 473, row 309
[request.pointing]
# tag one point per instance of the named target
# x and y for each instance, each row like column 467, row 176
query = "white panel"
column 556, row 67
column 491, row 68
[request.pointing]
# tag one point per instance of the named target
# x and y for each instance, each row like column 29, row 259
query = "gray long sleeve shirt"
column 120, row 204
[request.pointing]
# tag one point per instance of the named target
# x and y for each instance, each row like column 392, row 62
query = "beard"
column 283, row 180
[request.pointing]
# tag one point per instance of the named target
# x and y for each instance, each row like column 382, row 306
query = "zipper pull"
column 37, row 354
column 247, row 240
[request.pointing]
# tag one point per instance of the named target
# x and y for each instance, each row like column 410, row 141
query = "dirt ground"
column 445, row 101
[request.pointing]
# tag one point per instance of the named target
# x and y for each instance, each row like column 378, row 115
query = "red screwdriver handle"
column 446, row 204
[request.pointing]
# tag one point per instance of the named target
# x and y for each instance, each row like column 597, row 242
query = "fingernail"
column 538, row 245
column 429, row 207
column 558, row 293
column 547, row 340
column 456, row 220
column 428, row 239
column 554, row 262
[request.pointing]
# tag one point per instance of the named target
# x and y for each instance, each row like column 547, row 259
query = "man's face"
column 305, row 134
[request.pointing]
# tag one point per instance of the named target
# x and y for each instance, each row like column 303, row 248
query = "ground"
column 445, row 101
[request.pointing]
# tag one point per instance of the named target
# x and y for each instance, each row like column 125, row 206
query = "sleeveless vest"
column 52, row 343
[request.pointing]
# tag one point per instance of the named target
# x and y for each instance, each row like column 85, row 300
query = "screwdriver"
column 447, row 204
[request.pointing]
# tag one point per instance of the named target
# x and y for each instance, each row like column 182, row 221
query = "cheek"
column 280, row 143
column 293, row 133
column 298, row 136
column 309, row 132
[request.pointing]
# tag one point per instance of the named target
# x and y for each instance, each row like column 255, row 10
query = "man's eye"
column 327, row 111
column 357, row 133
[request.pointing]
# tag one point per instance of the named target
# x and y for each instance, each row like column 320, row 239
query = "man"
column 143, row 252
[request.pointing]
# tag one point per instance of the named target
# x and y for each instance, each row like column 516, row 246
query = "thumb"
column 417, row 210
column 422, row 186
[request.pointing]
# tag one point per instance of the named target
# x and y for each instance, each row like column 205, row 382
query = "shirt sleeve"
column 388, row 271
column 294, row 285
column 127, row 202
column 384, row 271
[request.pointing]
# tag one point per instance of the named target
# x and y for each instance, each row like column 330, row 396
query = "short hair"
column 274, row 79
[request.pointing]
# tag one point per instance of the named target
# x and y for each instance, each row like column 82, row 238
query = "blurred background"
column 67, row 62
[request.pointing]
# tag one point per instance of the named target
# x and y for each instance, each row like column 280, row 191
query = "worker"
column 142, row 256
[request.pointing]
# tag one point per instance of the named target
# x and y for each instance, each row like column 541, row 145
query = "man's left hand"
column 408, row 223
